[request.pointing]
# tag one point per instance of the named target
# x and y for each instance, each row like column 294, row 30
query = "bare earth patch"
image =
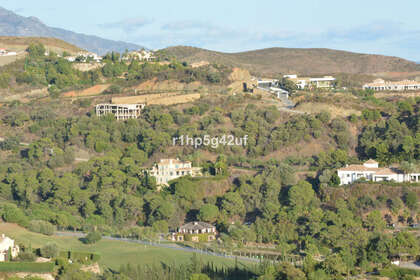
column 335, row 111
column 95, row 90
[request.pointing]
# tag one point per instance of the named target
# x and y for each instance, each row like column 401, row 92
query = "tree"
column 411, row 200
column 301, row 195
column 92, row 237
column 374, row 221
column 287, row 84
column 208, row 213
column 233, row 204
column 50, row 250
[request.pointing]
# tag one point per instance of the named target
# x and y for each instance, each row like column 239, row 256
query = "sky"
column 367, row 26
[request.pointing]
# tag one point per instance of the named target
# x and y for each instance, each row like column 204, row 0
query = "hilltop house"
column 382, row 85
column 141, row 55
column 371, row 171
column 169, row 169
column 307, row 82
column 196, row 232
column 7, row 244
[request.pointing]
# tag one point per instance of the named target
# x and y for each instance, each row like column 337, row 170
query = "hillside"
column 301, row 61
column 21, row 43
column 12, row 24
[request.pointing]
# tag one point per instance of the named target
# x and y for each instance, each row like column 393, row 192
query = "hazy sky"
column 369, row 26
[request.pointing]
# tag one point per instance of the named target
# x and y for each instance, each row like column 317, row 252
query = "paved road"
column 411, row 265
column 171, row 246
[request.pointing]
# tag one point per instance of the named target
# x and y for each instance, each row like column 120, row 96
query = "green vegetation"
column 26, row 267
column 278, row 195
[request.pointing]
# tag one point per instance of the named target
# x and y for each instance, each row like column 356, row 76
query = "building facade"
column 120, row 111
column 196, row 232
column 312, row 83
column 170, row 169
column 371, row 171
column 7, row 244
column 382, row 85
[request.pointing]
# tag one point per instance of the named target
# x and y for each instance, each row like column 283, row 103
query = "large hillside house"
column 7, row 244
column 196, row 232
column 312, row 83
column 170, row 169
column 141, row 55
column 120, row 111
column 371, row 171
column 382, row 85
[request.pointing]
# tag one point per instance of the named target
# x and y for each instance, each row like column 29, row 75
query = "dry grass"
column 52, row 44
column 167, row 85
column 95, row 90
column 300, row 61
column 169, row 98
column 335, row 111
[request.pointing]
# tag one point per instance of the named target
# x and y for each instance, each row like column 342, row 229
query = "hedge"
column 26, row 267
column 81, row 257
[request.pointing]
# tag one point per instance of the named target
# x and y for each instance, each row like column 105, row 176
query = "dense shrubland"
column 43, row 189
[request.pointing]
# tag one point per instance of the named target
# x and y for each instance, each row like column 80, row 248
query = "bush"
column 92, row 237
column 80, row 257
column 27, row 256
column 42, row 227
column 12, row 214
column 49, row 251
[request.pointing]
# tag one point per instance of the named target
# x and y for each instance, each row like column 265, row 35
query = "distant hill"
column 300, row 61
column 12, row 24
column 21, row 44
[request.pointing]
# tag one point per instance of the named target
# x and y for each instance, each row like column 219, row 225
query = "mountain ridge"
column 12, row 24
column 303, row 61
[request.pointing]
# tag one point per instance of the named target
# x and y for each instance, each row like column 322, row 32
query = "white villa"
column 371, row 171
column 382, row 85
column 84, row 55
column 141, row 55
column 308, row 82
column 7, row 243
column 169, row 169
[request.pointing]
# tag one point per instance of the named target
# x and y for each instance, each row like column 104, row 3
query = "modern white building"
column 7, row 244
column 141, row 55
column 307, row 82
column 371, row 171
column 170, row 169
column 382, row 85
column 84, row 56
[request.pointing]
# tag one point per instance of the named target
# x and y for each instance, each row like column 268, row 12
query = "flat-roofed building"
column 309, row 82
column 382, row 85
column 120, row 111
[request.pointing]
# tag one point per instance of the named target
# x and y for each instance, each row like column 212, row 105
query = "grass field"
column 113, row 253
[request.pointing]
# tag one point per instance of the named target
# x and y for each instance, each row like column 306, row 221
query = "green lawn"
column 113, row 253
